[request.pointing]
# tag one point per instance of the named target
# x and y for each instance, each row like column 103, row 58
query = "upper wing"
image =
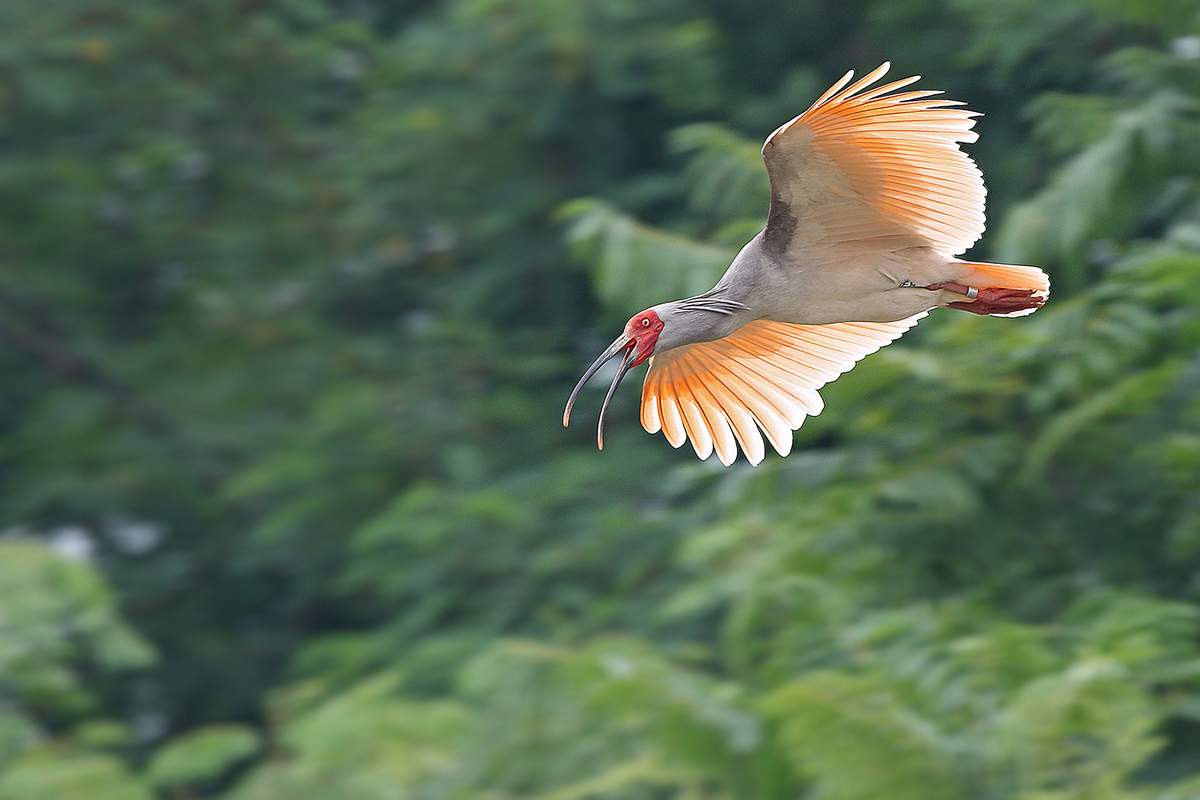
column 875, row 168
column 764, row 374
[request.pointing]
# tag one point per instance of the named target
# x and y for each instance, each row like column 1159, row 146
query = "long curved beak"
column 621, row 343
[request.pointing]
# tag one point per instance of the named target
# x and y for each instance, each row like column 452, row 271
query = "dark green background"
column 292, row 293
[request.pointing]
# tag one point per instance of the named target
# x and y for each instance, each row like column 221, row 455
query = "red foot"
column 1001, row 301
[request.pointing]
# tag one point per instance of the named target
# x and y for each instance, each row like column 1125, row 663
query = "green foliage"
column 640, row 266
column 857, row 744
column 291, row 293
column 63, row 773
column 726, row 178
column 60, row 627
column 1130, row 156
column 621, row 720
column 1020, row 711
column 201, row 756
column 361, row 743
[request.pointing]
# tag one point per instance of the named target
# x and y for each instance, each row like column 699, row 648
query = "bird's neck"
column 705, row 317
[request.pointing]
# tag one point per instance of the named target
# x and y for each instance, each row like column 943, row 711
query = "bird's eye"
column 645, row 322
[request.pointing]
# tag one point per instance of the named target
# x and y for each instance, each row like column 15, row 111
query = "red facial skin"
column 643, row 328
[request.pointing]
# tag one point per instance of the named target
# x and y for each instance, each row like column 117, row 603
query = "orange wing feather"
column 866, row 163
column 765, row 375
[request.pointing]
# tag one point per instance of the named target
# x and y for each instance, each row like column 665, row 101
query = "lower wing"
column 765, row 375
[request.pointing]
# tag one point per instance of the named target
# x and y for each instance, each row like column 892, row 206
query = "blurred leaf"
column 201, row 756
column 47, row 772
column 635, row 266
column 856, row 743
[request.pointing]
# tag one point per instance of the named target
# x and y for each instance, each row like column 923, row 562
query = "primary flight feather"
column 872, row 200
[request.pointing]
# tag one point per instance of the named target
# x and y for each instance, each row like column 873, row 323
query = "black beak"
column 622, row 342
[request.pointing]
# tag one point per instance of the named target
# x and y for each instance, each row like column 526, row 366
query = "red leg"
column 991, row 301
column 1001, row 301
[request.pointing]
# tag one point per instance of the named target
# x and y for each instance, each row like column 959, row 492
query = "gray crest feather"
column 710, row 301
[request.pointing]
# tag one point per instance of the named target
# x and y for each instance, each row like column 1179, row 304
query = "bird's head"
column 635, row 344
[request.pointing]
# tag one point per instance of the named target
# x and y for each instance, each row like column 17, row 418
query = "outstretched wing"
column 765, row 375
column 878, row 168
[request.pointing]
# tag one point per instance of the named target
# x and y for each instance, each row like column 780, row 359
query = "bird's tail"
column 1008, row 276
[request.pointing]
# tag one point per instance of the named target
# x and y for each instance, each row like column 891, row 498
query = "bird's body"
column 871, row 202
column 786, row 287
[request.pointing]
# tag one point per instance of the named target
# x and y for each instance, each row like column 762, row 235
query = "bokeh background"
column 292, row 293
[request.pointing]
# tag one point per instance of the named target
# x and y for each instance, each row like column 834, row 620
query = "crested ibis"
column 872, row 199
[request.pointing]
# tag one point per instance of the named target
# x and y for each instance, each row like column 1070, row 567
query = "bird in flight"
column 872, row 200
